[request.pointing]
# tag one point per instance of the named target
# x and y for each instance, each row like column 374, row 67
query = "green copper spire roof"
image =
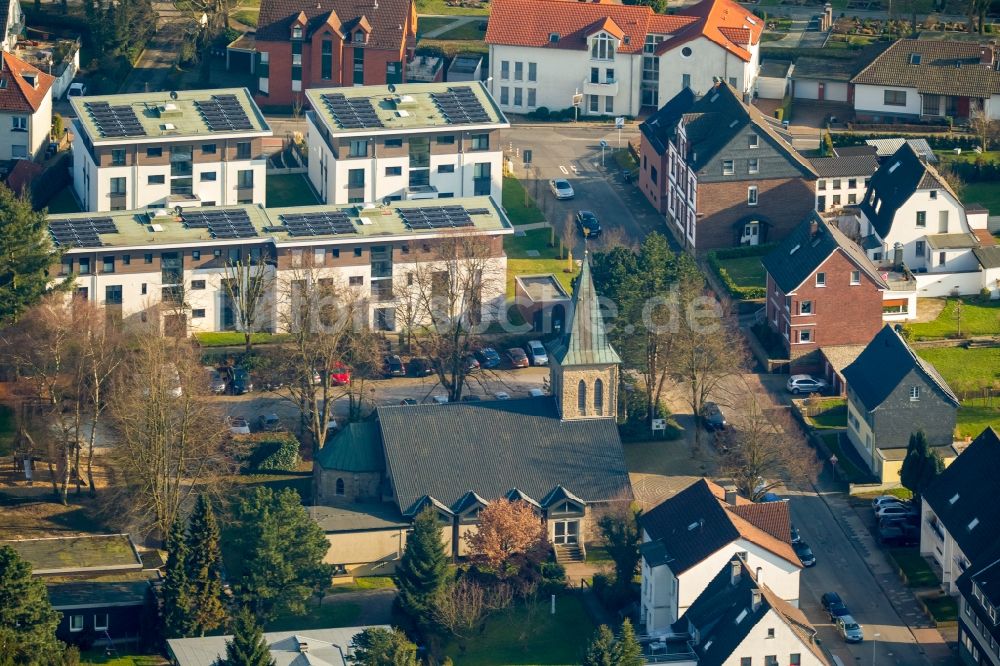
column 585, row 341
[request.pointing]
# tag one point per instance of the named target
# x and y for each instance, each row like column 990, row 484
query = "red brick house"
column 306, row 43
column 722, row 173
column 822, row 291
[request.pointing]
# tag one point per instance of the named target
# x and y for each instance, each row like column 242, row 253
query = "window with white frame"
column 504, row 69
column 820, row 279
column 753, row 140
column 753, row 165
column 504, row 95
column 805, row 307
column 728, row 169
column 19, row 123
column 752, row 195
column 855, row 277
column 914, row 393
column 805, row 335
column 76, row 623
column 532, row 98
column 532, row 71
column 518, row 96
column 602, row 47
column 518, row 71
column 100, row 621
column 609, row 104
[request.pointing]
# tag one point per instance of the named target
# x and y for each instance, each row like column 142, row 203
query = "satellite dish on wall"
column 173, row 94
column 386, row 201
column 392, row 87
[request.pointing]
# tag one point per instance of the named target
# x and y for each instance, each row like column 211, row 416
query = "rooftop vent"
column 168, row 127
column 914, row 58
column 405, row 102
column 402, row 113
column 156, row 227
column 794, row 250
column 169, row 110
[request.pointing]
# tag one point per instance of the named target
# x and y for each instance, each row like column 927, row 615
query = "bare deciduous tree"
column 765, row 450
column 170, row 442
column 247, row 284
column 462, row 606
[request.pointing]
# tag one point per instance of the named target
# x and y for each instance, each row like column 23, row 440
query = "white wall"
column 944, row 550
column 61, row 84
column 34, row 138
column 758, row 645
column 771, row 88
column 905, row 230
column 871, row 100
column 936, row 285
column 829, row 188
column 805, row 88
column 707, row 60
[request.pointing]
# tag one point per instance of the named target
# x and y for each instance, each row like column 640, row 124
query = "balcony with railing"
column 668, row 650
column 607, row 88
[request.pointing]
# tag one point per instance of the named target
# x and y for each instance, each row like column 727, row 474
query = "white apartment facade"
column 842, row 181
column 25, row 109
column 614, row 60
column 158, row 150
column 173, row 267
column 418, row 141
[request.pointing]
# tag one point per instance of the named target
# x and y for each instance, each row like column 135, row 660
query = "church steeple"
column 584, row 370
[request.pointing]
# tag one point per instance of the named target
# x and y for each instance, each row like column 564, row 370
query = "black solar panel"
column 478, row 211
column 354, row 113
column 327, row 223
column 223, row 113
column 222, row 223
column 460, row 106
column 114, row 121
column 435, row 217
column 81, row 232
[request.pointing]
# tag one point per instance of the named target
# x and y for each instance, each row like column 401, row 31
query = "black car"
column 488, row 357
column 420, row 367
column 587, row 224
column 834, row 605
column 240, row 382
column 394, row 366
column 712, row 417
column 804, row 553
column 472, row 397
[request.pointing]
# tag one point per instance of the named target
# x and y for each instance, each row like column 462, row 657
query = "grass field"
column 474, row 30
column 247, row 17
column 918, row 573
column 834, row 415
column 330, row 614
column 426, row 24
column 845, row 467
column 518, row 210
column 547, row 261
column 452, row 47
column 235, row 338
column 365, row 583
column 745, row 271
column 969, row 370
column 441, row 7
column 291, row 189
column 942, row 608
column 528, row 635
column 978, row 318
column 97, row 656
column 984, row 194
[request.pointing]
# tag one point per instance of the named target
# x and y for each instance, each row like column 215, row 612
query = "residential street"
column 151, row 71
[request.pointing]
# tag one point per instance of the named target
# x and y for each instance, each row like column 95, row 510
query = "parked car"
column 588, row 224
column 849, row 629
column 440, row 399
column 269, row 423
column 796, row 537
column 502, row 395
column 420, row 367
column 340, row 374
column 561, row 188
column 805, row 384
column 472, row 397
column 77, row 89
column 895, row 510
column 216, row 382
column 241, row 382
column 470, row 363
column 488, row 358
column 898, row 533
column 885, row 500
column 804, row 553
column 238, row 426
column 536, row 393
column 537, row 353
column 394, row 366
column 518, row 358
column 712, row 417
column 408, row 401
column 834, row 605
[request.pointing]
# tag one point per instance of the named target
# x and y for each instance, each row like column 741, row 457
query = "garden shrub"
column 273, row 451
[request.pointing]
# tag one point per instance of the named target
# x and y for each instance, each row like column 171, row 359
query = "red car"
column 518, row 359
column 340, row 374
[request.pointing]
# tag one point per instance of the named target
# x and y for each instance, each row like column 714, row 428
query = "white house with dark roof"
column 689, row 537
column 979, row 619
column 960, row 518
column 842, row 180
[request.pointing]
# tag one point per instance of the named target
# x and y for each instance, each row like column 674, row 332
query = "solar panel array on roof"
column 114, row 121
column 460, row 106
column 435, row 217
column 222, row 223
column 354, row 113
column 224, row 113
column 81, row 232
column 327, row 223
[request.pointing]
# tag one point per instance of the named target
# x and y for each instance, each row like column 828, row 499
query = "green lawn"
column 984, row 194
column 745, row 271
column 547, row 261
column 441, row 7
column 845, row 467
column 426, row 24
column 247, row 17
column 969, row 156
column 833, row 414
column 528, row 635
column 520, row 207
column 64, row 201
column 598, row 554
column 942, row 608
column 969, row 370
column 365, row 583
column 97, row 656
column 474, row 30
column 452, row 47
column 235, row 338
column 978, row 318
column 290, row 189
column 918, row 573
column 330, row 614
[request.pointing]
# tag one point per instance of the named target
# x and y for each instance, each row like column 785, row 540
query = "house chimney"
column 303, row 646
column 986, row 55
column 755, row 597
column 813, row 229
column 731, row 496
column 897, row 256
column 735, row 567
column 759, row 574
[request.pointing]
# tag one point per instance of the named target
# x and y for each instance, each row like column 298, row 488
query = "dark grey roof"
column 492, row 447
column 129, row 591
column 883, row 364
column 987, row 579
column 845, row 151
column 775, row 69
column 356, row 448
column 659, row 128
column 826, row 69
column 355, row 517
column 943, row 68
column 803, row 251
column 893, row 184
column 989, row 256
column 964, row 497
column 585, row 341
column 845, row 166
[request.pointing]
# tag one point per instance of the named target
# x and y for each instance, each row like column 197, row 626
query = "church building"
column 561, row 454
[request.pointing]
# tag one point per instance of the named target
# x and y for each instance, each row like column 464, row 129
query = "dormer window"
column 602, row 47
column 553, row 37
column 31, row 79
column 360, row 37
column 297, row 32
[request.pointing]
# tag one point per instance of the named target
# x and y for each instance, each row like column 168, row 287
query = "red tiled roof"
column 16, row 94
column 608, row 25
column 21, row 176
column 531, row 22
column 389, row 21
column 985, row 237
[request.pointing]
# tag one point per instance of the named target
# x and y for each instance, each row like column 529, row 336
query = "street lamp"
column 874, row 641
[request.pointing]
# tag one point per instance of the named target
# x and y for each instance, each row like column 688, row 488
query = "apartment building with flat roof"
column 412, row 141
column 157, row 263
column 168, row 149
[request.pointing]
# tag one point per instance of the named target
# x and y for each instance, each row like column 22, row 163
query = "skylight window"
column 914, row 58
column 894, row 167
column 734, row 123
column 794, row 249
column 743, row 614
column 751, row 20
column 713, row 97
column 953, row 499
column 972, row 525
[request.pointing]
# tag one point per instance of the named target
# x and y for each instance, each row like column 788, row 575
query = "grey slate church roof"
column 585, row 341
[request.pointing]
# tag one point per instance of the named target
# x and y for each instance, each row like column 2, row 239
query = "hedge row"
column 272, row 451
column 743, row 251
column 735, row 290
column 936, row 142
column 978, row 171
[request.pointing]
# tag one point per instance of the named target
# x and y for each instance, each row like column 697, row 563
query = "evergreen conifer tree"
column 627, row 650
column 600, row 652
column 422, row 570
column 203, row 566
column 177, row 622
column 247, row 646
column 26, row 255
column 27, row 621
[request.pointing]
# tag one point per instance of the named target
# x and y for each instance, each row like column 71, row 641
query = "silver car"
column 561, row 188
column 849, row 629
